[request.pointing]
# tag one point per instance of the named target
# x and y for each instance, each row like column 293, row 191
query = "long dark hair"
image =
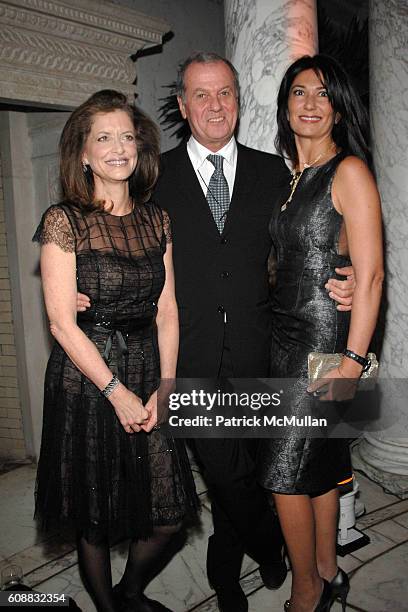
column 351, row 133
column 77, row 185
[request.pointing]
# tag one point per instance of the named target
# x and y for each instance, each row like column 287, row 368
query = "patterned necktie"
column 218, row 196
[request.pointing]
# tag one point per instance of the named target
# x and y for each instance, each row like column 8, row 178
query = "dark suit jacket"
column 222, row 276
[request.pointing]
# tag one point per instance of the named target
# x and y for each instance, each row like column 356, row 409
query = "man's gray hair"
column 202, row 57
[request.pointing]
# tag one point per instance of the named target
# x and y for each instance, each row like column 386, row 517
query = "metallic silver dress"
column 307, row 237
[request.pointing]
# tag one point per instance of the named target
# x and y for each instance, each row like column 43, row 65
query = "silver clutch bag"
column 320, row 363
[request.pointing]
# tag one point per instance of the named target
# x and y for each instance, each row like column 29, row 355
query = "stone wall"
column 11, row 428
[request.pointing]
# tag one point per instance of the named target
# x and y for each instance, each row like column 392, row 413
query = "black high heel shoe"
column 324, row 603
column 340, row 586
column 326, row 598
column 125, row 603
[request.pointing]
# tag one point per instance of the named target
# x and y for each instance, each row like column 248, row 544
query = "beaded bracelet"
column 111, row 386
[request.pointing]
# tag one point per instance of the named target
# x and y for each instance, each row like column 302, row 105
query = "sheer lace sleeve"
column 55, row 228
column 167, row 227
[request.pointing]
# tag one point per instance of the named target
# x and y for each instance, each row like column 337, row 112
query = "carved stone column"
column 59, row 52
column 262, row 38
column 384, row 456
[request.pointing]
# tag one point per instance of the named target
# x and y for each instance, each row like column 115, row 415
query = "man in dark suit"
column 220, row 255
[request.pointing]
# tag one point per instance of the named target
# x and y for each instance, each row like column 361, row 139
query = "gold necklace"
column 296, row 175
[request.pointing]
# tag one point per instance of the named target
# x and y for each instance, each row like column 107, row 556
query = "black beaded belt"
column 120, row 330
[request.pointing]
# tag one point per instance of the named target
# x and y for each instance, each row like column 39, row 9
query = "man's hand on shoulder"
column 342, row 291
column 83, row 302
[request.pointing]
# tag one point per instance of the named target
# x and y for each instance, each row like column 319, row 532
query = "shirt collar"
column 198, row 153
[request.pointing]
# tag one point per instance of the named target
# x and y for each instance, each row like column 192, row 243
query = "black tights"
column 94, row 563
column 143, row 564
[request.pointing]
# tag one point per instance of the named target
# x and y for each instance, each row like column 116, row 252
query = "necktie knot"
column 216, row 160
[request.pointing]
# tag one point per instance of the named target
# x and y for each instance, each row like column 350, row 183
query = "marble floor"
column 378, row 572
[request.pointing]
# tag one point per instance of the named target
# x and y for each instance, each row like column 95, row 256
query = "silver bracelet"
column 111, row 386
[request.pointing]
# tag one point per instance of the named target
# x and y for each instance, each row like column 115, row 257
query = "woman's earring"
column 85, row 167
column 337, row 118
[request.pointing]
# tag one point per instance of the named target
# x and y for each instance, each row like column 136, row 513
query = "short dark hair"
column 351, row 133
column 77, row 185
column 202, row 57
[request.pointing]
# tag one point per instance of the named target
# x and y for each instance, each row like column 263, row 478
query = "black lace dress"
column 91, row 473
column 309, row 239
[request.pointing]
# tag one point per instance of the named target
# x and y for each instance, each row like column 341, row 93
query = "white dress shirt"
column 204, row 168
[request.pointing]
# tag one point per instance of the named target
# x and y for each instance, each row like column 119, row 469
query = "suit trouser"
column 243, row 519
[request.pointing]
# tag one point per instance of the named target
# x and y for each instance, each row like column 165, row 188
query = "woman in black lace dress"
column 105, row 465
column 329, row 215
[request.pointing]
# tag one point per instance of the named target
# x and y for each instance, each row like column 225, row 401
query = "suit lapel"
column 244, row 186
column 192, row 194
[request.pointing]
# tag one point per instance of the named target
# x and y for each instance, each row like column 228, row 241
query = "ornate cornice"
column 57, row 52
